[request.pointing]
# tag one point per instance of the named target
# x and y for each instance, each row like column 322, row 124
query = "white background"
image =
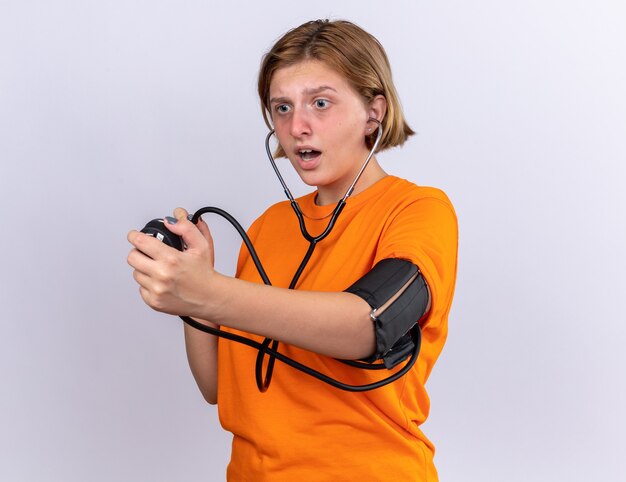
column 113, row 113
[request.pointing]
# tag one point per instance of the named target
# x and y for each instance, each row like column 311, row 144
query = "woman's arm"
column 185, row 283
column 332, row 324
column 202, row 357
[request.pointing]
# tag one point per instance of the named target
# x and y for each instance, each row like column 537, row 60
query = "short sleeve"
column 425, row 232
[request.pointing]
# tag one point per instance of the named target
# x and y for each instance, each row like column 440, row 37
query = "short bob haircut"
column 353, row 53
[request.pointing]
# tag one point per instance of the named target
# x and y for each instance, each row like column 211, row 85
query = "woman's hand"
column 335, row 324
column 169, row 280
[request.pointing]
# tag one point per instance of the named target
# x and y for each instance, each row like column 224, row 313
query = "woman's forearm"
column 335, row 324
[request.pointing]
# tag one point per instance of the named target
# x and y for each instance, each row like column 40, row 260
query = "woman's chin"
column 309, row 179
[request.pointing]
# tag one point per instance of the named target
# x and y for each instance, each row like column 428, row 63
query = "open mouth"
column 308, row 154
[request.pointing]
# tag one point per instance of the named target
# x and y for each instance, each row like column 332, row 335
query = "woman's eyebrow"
column 279, row 100
column 311, row 91
column 318, row 90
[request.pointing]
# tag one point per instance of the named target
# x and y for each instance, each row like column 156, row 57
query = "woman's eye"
column 282, row 108
column 321, row 103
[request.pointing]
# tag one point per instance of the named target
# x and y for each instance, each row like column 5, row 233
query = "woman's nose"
column 300, row 125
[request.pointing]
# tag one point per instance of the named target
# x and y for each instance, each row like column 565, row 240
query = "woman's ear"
column 377, row 108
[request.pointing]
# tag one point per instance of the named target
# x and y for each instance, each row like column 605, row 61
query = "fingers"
column 180, row 225
column 157, row 285
column 204, row 229
column 147, row 245
column 168, row 279
column 195, row 237
column 142, row 279
column 180, row 213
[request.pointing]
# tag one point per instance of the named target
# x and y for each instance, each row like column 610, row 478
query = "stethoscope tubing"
column 264, row 347
column 306, row 369
column 264, row 381
column 340, row 205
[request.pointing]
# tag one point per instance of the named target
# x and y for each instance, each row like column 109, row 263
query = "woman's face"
column 321, row 123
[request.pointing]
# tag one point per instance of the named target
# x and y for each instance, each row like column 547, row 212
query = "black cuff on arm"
column 398, row 295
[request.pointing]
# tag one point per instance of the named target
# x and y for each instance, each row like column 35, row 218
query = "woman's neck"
column 332, row 194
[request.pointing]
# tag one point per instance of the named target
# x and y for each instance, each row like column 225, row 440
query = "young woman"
column 326, row 89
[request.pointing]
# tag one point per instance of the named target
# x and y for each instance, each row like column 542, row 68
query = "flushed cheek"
column 280, row 132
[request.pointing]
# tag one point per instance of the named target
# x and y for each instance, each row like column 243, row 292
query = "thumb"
column 180, row 213
column 192, row 237
column 204, row 230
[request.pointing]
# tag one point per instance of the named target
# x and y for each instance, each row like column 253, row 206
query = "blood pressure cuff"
column 398, row 295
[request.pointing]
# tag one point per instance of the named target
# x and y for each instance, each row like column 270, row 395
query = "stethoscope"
column 269, row 347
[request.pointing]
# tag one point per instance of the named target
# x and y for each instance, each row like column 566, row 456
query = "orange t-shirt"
column 302, row 429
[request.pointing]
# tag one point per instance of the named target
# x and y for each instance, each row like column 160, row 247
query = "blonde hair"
column 353, row 53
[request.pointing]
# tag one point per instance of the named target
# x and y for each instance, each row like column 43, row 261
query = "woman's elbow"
column 210, row 396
